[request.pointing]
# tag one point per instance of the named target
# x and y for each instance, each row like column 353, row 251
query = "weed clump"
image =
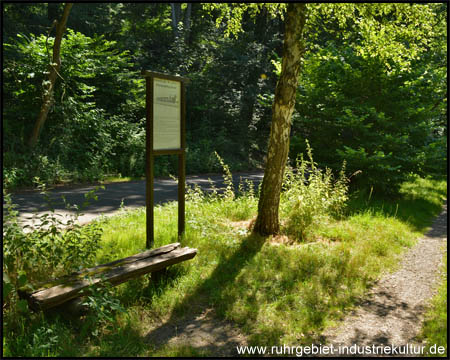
column 311, row 195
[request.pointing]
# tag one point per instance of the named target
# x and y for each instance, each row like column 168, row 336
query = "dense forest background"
column 385, row 117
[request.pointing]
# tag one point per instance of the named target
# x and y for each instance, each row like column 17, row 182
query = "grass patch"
column 434, row 330
column 276, row 294
column 418, row 198
column 119, row 178
column 181, row 351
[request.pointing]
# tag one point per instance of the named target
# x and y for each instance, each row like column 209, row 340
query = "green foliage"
column 228, row 179
column 395, row 33
column 232, row 14
column 311, row 196
column 96, row 125
column 16, row 248
column 379, row 110
column 101, row 304
column 43, row 339
column 239, row 122
column 50, row 249
column 373, row 88
column 225, row 198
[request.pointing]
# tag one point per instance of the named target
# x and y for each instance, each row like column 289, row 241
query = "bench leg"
column 157, row 276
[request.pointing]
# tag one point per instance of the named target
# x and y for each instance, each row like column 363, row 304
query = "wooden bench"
column 61, row 290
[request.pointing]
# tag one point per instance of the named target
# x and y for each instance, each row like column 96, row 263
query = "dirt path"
column 201, row 330
column 393, row 311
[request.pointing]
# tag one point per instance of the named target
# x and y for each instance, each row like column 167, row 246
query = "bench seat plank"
column 115, row 272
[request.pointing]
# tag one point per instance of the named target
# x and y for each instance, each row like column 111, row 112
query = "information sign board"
column 165, row 135
column 166, row 114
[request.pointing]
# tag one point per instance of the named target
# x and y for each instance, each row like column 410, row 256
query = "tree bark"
column 267, row 221
column 53, row 73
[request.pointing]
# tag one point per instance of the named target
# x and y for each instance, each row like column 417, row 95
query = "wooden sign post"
column 166, row 135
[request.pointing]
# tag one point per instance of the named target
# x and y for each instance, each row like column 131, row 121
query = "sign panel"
column 166, row 114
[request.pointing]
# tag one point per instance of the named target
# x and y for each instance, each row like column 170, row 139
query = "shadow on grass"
column 188, row 318
column 146, row 287
column 417, row 206
column 121, row 342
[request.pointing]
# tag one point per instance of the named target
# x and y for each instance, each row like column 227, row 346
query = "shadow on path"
column 439, row 228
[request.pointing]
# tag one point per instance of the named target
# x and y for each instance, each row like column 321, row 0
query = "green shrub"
column 53, row 247
column 101, row 304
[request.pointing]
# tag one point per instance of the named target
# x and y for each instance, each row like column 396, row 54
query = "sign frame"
column 150, row 76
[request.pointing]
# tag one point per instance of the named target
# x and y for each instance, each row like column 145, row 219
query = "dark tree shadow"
column 440, row 225
column 189, row 316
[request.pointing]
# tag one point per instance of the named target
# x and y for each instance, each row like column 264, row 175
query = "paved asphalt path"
column 132, row 194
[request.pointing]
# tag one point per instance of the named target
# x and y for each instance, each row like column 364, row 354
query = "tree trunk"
column 267, row 221
column 187, row 22
column 53, row 73
column 176, row 17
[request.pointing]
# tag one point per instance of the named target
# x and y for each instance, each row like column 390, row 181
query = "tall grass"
column 311, row 196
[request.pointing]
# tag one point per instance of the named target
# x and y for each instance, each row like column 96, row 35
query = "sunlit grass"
column 118, row 178
column 125, row 234
column 181, row 351
column 417, row 200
